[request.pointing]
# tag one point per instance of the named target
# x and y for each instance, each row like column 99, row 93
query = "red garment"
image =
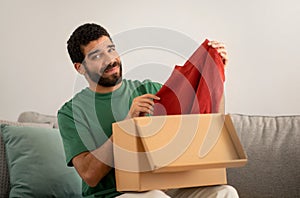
column 194, row 88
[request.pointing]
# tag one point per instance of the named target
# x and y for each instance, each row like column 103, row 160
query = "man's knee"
column 227, row 191
column 157, row 194
column 148, row 194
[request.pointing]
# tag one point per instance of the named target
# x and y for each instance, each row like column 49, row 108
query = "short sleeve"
column 73, row 144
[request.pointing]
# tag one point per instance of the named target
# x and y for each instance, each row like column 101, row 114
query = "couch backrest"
column 272, row 144
column 35, row 117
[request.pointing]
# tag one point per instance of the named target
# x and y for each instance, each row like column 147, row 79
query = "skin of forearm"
column 96, row 164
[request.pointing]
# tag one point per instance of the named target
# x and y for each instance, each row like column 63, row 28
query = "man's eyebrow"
column 112, row 45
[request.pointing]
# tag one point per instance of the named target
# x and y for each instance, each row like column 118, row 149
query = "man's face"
column 102, row 63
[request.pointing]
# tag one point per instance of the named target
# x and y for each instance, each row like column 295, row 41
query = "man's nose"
column 109, row 58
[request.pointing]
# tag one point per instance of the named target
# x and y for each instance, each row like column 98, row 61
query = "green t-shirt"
column 85, row 123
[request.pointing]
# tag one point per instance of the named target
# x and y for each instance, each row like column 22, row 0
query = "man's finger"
column 152, row 96
column 222, row 51
column 145, row 105
column 216, row 44
column 146, row 101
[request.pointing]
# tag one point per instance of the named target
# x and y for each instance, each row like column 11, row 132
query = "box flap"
column 184, row 142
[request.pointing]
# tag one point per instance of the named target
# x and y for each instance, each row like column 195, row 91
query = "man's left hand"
column 221, row 48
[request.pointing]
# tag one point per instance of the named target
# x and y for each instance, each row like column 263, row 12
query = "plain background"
column 262, row 39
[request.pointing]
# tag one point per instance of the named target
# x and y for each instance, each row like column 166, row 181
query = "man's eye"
column 111, row 49
column 97, row 56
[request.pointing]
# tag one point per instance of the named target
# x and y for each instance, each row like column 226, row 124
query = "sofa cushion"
column 36, row 163
column 272, row 144
column 4, row 182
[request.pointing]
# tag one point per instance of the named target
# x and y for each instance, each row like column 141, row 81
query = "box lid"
column 185, row 142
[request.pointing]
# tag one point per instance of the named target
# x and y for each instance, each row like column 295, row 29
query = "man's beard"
column 109, row 81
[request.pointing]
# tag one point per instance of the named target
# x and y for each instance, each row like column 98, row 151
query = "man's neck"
column 101, row 89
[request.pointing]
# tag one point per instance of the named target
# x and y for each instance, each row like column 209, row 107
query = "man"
column 85, row 122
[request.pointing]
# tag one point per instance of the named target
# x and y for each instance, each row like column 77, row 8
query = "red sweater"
column 194, row 88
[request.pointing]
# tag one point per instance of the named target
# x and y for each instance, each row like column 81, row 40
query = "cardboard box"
column 163, row 152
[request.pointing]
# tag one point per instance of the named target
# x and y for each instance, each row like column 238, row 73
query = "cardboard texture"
column 163, row 152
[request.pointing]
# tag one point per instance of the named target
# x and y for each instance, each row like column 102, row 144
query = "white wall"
column 262, row 38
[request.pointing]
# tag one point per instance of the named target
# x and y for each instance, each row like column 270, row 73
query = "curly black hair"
column 81, row 37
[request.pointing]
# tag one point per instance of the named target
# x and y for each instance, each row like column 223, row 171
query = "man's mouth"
column 111, row 68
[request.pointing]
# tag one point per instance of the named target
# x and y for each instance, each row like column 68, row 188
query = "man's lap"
column 206, row 192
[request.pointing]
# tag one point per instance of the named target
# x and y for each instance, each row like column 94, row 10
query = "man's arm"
column 90, row 165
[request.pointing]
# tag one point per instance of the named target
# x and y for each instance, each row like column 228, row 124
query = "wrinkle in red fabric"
column 194, row 88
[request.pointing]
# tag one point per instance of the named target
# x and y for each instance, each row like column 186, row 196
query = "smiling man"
column 99, row 53
column 85, row 122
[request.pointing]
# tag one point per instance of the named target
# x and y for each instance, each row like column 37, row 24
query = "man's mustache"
column 109, row 66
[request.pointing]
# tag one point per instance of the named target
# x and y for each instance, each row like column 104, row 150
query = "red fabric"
column 194, row 88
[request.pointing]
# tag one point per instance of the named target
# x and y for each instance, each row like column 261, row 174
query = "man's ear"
column 79, row 68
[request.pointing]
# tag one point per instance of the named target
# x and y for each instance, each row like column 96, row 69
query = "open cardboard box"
column 163, row 152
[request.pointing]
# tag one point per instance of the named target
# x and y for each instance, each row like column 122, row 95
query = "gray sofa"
column 272, row 144
column 32, row 160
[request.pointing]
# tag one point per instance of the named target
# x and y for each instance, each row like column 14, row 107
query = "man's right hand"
column 142, row 105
